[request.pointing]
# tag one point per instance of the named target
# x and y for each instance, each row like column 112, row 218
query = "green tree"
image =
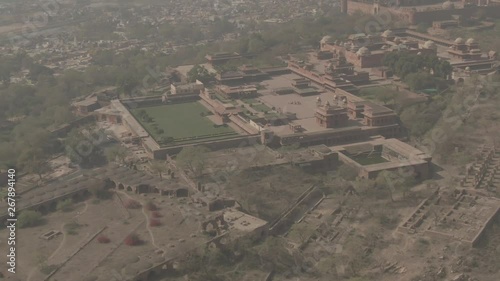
column 347, row 172
column 200, row 73
column 65, row 205
column 36, row 70
column 34, row 161
column 256, row 44
column 29, row 218
column 117, row 154
column 290, row 151
column 84, row 147
column 193, row 158
column 159, row 168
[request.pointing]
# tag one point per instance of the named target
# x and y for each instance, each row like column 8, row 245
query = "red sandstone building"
column 328, row 116
column 366, row 51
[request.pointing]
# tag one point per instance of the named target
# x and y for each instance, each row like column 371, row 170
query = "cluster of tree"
column 133, row 71
column 144, row 116
column 419, row 71
column 98, row 29
column 193, row 158
column 200, row 73
column 420, row 118
column 85, row 146
column 12, row 64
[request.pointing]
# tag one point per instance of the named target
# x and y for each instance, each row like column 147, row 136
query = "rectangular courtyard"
column 180, row 123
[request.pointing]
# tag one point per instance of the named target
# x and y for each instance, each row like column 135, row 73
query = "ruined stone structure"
column 45, row 198
column 461, row 215
column 484, row 173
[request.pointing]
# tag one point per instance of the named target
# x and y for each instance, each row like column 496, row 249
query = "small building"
column 108, row 114
column 187, row 89
column 86, row 106
column 378, row 115
column 329, row 116
column 221, row 58
column 465, row 50
column 237, row 92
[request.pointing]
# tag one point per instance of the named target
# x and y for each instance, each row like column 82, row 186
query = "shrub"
column 132, row 240
column 72, row 227
column 100, row 193
column 132, row 204
column 103, row 239
column 29, row 218
column 154, row 222
column 65, row 205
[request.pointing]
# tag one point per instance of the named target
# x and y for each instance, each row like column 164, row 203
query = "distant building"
column 424, row 11
column 86, row 106
column 328, row 116
column 371, row 158
column 221, row 58
column 367, row 51
column 465, row 50
column 187, row 89
column 237, row 92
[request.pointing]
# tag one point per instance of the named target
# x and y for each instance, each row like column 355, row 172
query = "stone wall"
column 416, row 17
column 241, row 141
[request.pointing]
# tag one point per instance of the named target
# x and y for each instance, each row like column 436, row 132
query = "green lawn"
column 225, row 100
column 250, row 101
column 379, row 93
column 256, row 104
column 261, row 107
column 181, row 121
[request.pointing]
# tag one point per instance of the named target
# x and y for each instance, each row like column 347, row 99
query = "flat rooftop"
column 242, row 222
column 304, row 107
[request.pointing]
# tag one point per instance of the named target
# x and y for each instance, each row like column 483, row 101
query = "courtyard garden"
column 180, row 123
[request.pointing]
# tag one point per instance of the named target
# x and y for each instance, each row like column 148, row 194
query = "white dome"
column 430, row 45
column 470, row 41
column 363, row 51
column 387, row 33
column 448, row 5
column 459, row 40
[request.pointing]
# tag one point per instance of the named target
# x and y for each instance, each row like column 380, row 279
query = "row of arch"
column 146, row 188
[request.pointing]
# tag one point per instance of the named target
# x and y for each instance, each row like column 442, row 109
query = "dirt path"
column 63, row 241
column 148, row 228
